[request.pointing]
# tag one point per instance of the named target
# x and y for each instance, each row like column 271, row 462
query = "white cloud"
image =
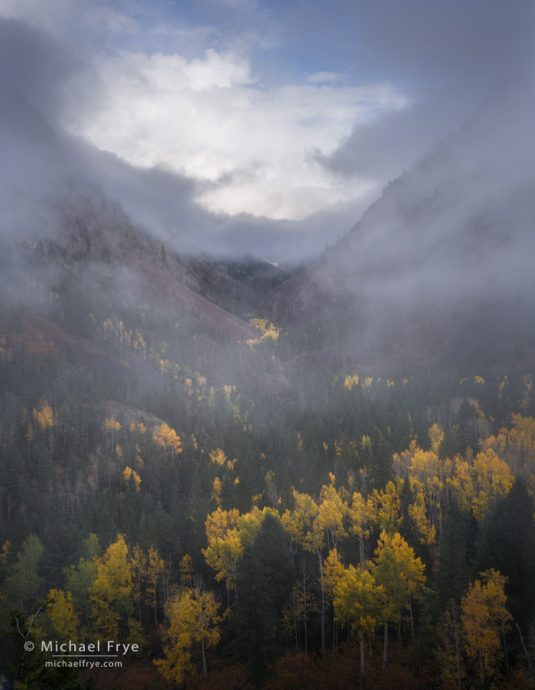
column 211, row 119
column 252, row 147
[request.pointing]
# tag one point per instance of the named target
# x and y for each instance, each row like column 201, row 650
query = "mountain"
column 175, row 428
column 437, row 272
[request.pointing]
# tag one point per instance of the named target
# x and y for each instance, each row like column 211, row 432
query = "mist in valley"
column 267, row 342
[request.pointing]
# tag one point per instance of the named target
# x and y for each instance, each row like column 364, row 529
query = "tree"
column 155, row 568
column 452, row 572
column 227, row 535
column 508, row 545
column 299, row 525
column 193, row 621
column 492, row 480
column 385, row 507
column 44, row 416
column 327, row 528
column 79, row 580
column 264, row 579
column 360, row 519
column 449, row 646
column 62, row 615
column 401, row 574
column 224, row 544
column 166, row 437
column 358, row 600
column 483, row 617
column 111, row 593
column 23, row 582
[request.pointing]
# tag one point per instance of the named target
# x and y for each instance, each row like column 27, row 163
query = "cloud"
column 257, row 128
column 211, row 119
column 455, row 59
column 41, row 166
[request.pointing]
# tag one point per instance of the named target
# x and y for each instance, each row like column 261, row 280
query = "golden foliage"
column 111, row 424
column 218, row 456
column 385, row 506
column 129, row 473
column 401, row 573
column 166, row 437
column 483, row 616
column 111, row 591
column 358, row 600
column 193, row 620
column 267, row 331
column 44, row 416
column 61, row 614
column 350, row 381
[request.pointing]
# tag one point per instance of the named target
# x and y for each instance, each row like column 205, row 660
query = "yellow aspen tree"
column 62, row 615
column 426, row 474
column 328, row 527
column 461, row 482
column 166, row 437
column 359, row 513
column 418, row 510
column 401, row 573
column 44, row 416
column 484, row 616
column 130, row 474
column 111, row 593
column 299, row 524
column 436, row 437
column 193, row 622
column 218, row 457
column 224, row 546
column 333, row 569
column 358, row 603
column 516, row 446
column 385, row 507
column 227, row 535
column 492, row 479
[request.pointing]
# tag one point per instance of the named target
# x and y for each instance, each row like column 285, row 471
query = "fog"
column 457, row 224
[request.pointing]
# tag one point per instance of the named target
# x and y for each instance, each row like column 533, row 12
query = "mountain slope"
column 438, row 269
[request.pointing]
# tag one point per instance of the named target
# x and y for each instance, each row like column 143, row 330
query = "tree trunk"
column 203, row 650
column 362, row 655
column 296, row 628
column 505, row 651
column 385, row 646
column 335, row 632
column 524, row 649
column 322, row 619
column 411, row 617
column 305, row 625
column 457, row 653
column 362, row 554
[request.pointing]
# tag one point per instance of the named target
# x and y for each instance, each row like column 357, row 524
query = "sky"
column 267, row 128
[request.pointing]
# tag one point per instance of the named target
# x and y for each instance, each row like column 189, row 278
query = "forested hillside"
column 182, row 471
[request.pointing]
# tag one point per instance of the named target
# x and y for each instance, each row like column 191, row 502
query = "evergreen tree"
column 264, row 583
column 508, row 545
